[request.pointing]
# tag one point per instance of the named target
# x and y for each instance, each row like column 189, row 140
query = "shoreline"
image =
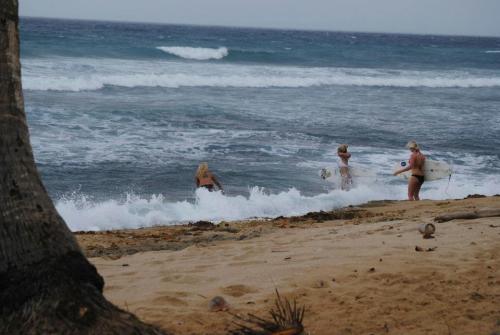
column 182, row 235
column 357, row 270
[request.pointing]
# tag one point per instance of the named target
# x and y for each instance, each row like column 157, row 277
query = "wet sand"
column 356, row 270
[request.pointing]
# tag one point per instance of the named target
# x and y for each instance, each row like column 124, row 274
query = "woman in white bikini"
column 344, row 166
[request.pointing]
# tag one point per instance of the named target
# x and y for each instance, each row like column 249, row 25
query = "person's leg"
column 343, row 184
column 344, row 174
column 348, row 182
column 416, row 195
column 412, row 186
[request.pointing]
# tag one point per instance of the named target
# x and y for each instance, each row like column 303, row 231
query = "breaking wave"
column 196, row 53
column 184, row 80
column 80, row 74
column 251, row 80
column 81, row 213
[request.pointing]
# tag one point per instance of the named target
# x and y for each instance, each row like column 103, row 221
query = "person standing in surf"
column 205, row 178
column 417, row 162
column 344, row 167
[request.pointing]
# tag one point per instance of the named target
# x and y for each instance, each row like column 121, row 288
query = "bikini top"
column 205, row 180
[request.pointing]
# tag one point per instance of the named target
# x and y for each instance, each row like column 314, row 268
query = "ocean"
column 121, row 114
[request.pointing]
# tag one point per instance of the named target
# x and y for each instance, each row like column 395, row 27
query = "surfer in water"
column 205, row 178
column 417, row 161
column 344, row 166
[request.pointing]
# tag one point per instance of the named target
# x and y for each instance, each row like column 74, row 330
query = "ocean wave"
column 97, row 82
column 196, row 53
column 81, row 213
column 492, row 51
column 73, row 74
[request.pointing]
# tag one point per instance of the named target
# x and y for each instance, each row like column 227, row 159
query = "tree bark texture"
column 47, row 286
column 30, row 228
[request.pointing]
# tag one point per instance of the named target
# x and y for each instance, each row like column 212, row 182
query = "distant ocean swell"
column 196, row 53
column 182, row 80
column 91, row 74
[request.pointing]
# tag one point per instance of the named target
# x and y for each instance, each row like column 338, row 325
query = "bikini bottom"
column 420, row 179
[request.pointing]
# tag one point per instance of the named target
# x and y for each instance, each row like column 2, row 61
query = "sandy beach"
column 356, row 270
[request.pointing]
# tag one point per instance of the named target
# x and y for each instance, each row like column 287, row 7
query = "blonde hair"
column 412, row 145
column 342, row 148
column 202, row 170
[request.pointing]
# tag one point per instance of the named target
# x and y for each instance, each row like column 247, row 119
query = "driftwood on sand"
column 484, row 213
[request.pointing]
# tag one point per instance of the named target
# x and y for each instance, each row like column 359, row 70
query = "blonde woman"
column 344, row 166
column 417, row 162
column 205, row 178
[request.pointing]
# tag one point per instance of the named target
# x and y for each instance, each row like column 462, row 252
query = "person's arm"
column 408, row 168
column 216, row 181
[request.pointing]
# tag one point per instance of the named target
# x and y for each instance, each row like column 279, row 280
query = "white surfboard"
column 433, row 170
column 333, row 173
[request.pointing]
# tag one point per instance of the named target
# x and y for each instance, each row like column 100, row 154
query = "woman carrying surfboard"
column 205, row 178
column 344, row 166
column 417, row 162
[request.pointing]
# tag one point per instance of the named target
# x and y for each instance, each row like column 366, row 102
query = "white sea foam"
column 470, row 176
column 74, row 74
column 196, row 53
column 83, row 214
column 183, row 80
column 78, row 141
column 492, row 51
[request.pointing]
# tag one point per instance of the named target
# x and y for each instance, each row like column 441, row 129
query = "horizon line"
column 251, row 27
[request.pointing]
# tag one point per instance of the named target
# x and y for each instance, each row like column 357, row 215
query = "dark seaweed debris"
column 286, row 319
column 201, row 225
column 344, row 214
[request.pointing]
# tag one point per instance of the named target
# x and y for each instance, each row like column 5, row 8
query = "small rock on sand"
column 319, row 284
column 217, row 304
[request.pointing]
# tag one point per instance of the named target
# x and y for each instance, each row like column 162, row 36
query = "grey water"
column 121, row 114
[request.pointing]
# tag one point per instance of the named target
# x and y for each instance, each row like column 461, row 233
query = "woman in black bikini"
column 417, row 161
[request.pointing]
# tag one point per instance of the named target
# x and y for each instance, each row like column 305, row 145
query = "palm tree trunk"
column 46, row 283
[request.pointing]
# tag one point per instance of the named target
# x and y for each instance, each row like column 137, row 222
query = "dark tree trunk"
column 47, row 286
